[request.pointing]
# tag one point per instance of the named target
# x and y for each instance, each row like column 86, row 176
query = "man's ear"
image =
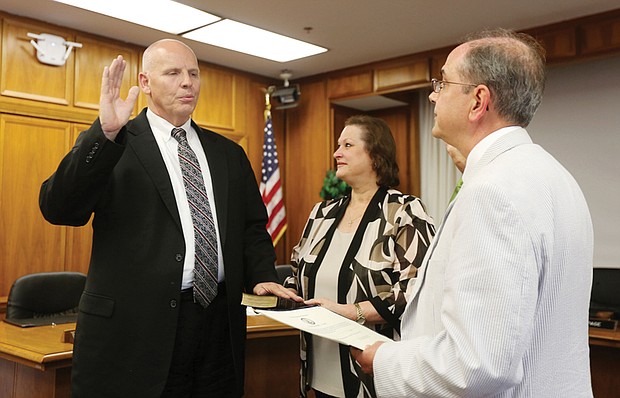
column 143, row 80
column 481, row 102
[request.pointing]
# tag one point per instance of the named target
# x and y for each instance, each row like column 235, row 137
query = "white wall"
column 579, row 123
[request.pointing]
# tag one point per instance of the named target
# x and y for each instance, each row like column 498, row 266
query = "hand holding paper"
column 366, row 357
column 322, row 322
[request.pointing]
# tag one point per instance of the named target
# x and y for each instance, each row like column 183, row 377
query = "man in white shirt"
column 500, row 306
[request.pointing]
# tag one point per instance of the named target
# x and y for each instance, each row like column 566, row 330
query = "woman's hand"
column 346, row 310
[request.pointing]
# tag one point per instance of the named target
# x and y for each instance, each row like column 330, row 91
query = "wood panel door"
column 30, row 150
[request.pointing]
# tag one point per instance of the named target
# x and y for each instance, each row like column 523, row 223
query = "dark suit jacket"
column 128, row 311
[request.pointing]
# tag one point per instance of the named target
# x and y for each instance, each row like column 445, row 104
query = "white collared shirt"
column 168, row 147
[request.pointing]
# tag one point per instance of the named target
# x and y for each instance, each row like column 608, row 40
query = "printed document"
column 325, row 323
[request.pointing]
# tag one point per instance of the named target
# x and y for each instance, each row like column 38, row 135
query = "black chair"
column 45, row 298
column 605, row 290
column 284, row 271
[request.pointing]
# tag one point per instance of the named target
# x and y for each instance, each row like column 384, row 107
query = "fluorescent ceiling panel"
column 164, row 15
column 254, row 41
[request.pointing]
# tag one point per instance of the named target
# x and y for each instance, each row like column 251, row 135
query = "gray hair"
column 512, row 66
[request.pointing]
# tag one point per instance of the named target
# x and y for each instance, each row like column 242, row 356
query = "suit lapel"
column 148, row 153
column 218, row 167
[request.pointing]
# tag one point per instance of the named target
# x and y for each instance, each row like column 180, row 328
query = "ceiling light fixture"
column 247, row 39
column 191, row 23
column 165, row 15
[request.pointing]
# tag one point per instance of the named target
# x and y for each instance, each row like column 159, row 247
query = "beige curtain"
column 438, row 175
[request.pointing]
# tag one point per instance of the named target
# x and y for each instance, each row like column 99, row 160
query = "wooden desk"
column 34, row 363
column 607, row 338
column 272, row 361
column 605, row 362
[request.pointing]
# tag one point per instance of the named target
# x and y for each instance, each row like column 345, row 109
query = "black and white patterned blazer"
column 380, row 265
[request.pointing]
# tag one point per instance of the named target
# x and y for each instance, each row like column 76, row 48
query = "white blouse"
column 325, row 354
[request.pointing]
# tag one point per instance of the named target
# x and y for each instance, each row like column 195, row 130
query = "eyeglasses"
column 439, row 84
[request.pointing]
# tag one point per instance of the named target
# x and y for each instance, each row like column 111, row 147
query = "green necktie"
column 456, row 189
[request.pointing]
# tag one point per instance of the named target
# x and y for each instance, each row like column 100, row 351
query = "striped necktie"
column 205, row 238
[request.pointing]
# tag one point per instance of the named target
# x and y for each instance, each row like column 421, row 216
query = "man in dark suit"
column 141, row 332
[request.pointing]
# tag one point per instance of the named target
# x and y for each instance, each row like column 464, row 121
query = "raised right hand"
column 114, row 112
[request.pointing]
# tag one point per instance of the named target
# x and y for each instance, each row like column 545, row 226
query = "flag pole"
column 271, row 184
column 268, row 91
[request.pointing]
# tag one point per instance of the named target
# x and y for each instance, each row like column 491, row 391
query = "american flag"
column 271, row 185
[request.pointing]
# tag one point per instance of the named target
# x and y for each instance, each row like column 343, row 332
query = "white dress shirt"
column 162, row 130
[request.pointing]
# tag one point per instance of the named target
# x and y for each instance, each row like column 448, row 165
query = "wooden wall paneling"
column 30, row 150
column 79, row 239
column 559, row 44
column 350, row 85
column 308, row 150
column 239, row 115
column 601, row 36
column 255, row 124
column 90, row 60
column 398, row 120
column 241, row 105
column 215, row 108
column 239, row 138
column 23, row 76
column 339, row 115
column 1, row 50
column 407, row 74
column 141, row 103
column 437, row 62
